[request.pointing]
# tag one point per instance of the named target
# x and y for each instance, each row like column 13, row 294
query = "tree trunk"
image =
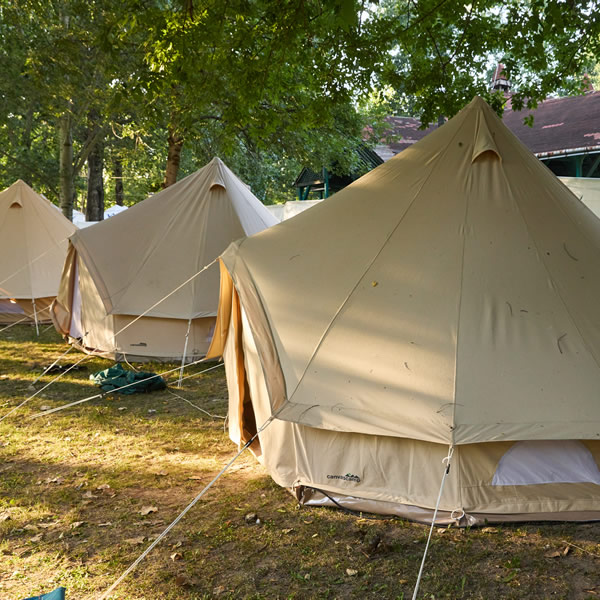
column 173, row 158
column 67, row 186
column 118, row 175
column 94, row 210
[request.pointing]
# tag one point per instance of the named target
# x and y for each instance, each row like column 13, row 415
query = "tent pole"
column 37, row 328
column 187, row 335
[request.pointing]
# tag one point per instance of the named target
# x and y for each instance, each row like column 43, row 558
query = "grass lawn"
column 85, row 490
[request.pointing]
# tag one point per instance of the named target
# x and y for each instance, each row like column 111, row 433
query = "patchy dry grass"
column 84, row 490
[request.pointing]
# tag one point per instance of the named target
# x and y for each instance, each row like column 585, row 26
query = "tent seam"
column 460, row 297
column 377, row 254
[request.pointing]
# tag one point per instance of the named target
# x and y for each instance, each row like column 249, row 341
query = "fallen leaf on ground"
column 176, row 556
column 89, row 494
column 182, row 580
column 104, row 486
column 287, row 530
column 4, row 517
column 30, row 528
column 37, row 538
column 107, row 524
column 136, row 541
column 146, row 510
column 351, row 572
column 77, row 524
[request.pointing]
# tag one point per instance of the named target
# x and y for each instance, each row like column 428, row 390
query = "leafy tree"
column 276, row 77
column 435, row 53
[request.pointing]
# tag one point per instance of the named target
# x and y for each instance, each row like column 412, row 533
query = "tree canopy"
column 161, row 86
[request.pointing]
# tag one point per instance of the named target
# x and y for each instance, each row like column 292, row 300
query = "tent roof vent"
column 484, row 140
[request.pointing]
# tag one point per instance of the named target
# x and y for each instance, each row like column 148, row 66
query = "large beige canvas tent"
column 447, row 299
column 121, row 267
column 33, row 245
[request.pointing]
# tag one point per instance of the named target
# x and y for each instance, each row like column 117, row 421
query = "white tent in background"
column 287, row 210
column 33, row 246
column 587, row 189
column 111, row 211
column 79, row 220
column 447, row 300
column 121, row 267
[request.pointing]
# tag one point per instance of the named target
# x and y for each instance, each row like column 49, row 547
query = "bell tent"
column 453, row 307
column 33, row 243
column 117, row 270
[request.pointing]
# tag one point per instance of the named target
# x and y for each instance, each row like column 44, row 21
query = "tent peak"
column 484, row 142
column 218, row 177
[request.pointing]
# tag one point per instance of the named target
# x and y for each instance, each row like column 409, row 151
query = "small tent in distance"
column 291, row 208
column 457, row 289
column 587, row 189
column 33, row 245
column 121, row 267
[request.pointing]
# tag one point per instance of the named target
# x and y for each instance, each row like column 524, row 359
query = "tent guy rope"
column 10, row 412
column 102, row 394
column 28, row 264
column 100, row 354
column 52, row 365
column 446, row 462
column 192, row 404
column 25, row 318
column 210, row 264
column 149, row 549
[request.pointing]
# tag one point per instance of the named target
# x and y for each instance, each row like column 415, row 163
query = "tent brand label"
column 346, row 477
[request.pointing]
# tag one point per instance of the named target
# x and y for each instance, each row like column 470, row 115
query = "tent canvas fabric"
column 454, row 303
column 33, row 243
column 290, row 209
column 115, row 271
column 587, row 189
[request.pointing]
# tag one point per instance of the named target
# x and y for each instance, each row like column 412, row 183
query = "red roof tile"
column 559, row 124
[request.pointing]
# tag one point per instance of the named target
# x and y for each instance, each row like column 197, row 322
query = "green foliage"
column 267, row 86
column 441, row 51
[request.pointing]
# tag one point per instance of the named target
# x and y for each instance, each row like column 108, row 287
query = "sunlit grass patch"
column 85, row 490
